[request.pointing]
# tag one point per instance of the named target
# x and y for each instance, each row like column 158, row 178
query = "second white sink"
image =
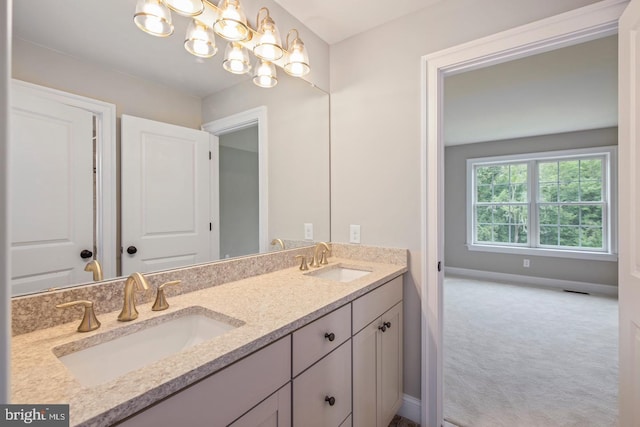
column 108, row 360
column 339, row 273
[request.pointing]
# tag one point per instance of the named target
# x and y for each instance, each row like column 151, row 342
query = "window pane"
column 548, row 215
column 483, row 233
column 519, row 173
column 591, row 215
column 500, row 193
column 500, row 174
column 591, row 237
column 591, row 191
column 484, row 175
column 483, row 193
column 549, row 236
column 548, row 192
column 518, row 233
column 569, row 215
column 569, row 170
column 484, row 214
column 548, row 171
column 591, row 169
column 569, row 191
column 501, row 233
column 518, row 193
column 569, row 236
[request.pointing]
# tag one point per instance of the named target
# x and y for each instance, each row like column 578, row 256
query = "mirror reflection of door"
column 52, row 161
column 239, row 192
column 165, row 196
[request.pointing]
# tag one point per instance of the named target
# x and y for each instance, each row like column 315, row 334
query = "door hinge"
column 439, row 265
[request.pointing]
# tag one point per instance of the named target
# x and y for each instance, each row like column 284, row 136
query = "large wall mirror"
column 93, row 50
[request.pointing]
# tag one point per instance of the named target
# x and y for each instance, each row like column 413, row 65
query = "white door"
column 51, row 193
column 165, row 195
column 629, row 205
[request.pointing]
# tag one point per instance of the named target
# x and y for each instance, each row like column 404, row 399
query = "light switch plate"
column 308, row 231
column 354, row 233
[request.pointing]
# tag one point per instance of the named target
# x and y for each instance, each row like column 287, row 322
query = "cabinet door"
column 390, row 380
column 275, row 411
column 224, row 396
column 365, row 368
column 322, row 394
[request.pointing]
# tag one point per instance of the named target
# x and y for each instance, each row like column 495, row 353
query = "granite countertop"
column 267, row 306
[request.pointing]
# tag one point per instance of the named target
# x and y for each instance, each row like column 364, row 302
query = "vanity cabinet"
column 377, row 356
column 223, row 397
column 341, row 370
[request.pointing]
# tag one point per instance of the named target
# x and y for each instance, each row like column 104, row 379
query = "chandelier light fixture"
column 228, row 21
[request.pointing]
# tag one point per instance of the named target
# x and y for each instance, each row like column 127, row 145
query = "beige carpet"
column 524, row 357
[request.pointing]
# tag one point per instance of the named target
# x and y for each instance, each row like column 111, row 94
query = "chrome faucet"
column 322, row 259
column 95, row 267
column 129, row 311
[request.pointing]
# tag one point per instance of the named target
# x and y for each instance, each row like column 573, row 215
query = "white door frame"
column 106, row 203
column 241, row 121
column 577, row 26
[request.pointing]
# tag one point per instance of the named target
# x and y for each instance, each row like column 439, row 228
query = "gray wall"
column 239, row 211
column 456, row 253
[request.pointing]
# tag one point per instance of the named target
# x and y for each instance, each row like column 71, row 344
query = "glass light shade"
column 296, row 62
column 269, row 43
column 200, row 40
column 231, row 24
column 153, row 17
column 186, row 7
column 236, row 59
column 265, row 74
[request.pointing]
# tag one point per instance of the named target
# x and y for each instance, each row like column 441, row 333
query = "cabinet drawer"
column 368, row 307
column 224, row 396
column 329, row 378
column 313, row 342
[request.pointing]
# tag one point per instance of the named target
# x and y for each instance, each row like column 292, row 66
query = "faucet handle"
column 303, row 262
column 161, row 300
column 89, row 320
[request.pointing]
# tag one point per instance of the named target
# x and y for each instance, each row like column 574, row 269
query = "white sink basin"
column 339, row 273
column 173, row 333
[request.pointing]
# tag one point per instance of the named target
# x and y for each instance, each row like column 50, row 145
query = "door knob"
column 331, row 400
column 330, row 336
column 86, row 254
column 132, row 250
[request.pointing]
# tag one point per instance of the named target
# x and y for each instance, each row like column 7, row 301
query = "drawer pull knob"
column 385, row 326
column 331, row 400
column 330, row 336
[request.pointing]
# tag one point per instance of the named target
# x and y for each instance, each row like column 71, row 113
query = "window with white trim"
column 559, row 203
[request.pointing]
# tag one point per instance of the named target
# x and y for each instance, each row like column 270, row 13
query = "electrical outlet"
column 308, row 231
column 526, row 263
column 354, row 233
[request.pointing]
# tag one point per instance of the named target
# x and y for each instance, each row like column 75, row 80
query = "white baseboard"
column 411, row 408
column 570, row 285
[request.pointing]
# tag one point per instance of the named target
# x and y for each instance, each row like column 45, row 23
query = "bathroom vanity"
column 305, row 348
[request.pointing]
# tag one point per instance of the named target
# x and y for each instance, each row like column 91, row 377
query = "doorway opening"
column 588, row 23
